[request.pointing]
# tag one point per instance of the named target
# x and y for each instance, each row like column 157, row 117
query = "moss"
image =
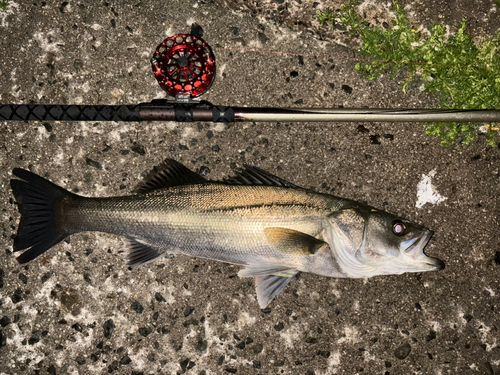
column 462, row 74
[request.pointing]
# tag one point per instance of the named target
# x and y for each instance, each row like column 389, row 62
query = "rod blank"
column 366, row 115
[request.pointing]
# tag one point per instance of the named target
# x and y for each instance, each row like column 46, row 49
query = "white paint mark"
column 46, row 45
column 168, row 32
column 187, row 133
column 117, row 94
column 218, row 128
column 351, row 336
column 138, row 358
column 245, row 320
column 334, row 360
column 221, row 69
column 491, row 291
column 487, row 337
column 435, row 325
column 426, row 192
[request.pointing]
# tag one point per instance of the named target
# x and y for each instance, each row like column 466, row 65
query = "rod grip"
column 38, row 112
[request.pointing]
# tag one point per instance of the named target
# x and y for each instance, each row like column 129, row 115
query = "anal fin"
column 141, row 254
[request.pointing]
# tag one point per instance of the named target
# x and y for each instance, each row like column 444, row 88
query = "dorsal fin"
column 167, row 174
column 256, row 176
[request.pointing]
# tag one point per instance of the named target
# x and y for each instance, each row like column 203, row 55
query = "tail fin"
column 39, row 202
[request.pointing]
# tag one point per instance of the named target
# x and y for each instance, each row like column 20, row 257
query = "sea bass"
column 271, row 227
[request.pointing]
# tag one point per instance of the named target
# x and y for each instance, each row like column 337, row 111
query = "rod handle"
column 38, row 112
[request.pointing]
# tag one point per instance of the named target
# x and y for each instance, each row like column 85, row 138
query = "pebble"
column 17, row 296
column 324, row 353
column 258, row 348
column 241, row 345
column 144, row 331
column 80, row 360
column 204, row 171
column 93, row 163
column 71, row 301
column 35, row 337
column 113, row 367
column 5, row 321
column 403, row 351
column 125, row 360
column 137, row 307
column 138, row 149
column 159, row 297
column 347, row 89
column 431, row 336
column 279, row 327
column 375, row 139
column 109, row 327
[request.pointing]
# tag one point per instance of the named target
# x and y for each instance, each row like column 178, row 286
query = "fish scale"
column 179, row 219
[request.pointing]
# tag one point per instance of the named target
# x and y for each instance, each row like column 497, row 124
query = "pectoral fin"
column 289, row 241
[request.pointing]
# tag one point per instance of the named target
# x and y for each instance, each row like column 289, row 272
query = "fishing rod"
column 184, row 66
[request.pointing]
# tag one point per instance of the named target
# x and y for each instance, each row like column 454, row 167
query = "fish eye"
column 398, row 228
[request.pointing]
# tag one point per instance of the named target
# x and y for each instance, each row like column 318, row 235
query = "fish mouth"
column 431, row 264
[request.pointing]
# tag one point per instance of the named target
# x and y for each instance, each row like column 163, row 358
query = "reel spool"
column 184, row 65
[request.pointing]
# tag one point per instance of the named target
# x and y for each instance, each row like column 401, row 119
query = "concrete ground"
column 80, row 310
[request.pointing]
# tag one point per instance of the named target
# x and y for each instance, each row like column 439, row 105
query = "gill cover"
column 348, row 228
column 346, row 234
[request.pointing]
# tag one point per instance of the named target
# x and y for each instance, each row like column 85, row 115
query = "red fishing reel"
column 184, row 65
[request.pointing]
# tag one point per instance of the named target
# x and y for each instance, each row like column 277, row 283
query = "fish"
column 274, row 229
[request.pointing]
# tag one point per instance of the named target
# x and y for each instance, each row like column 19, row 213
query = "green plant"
column 462, row 74
column 3, row 5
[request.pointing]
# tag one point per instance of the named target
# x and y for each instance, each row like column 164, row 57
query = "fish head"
column 369, row 242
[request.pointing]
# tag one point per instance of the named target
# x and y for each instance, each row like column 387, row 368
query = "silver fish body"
column 227, row 223
column 267, row 225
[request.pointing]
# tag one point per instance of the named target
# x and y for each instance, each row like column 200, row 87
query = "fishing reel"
column 184, row 65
